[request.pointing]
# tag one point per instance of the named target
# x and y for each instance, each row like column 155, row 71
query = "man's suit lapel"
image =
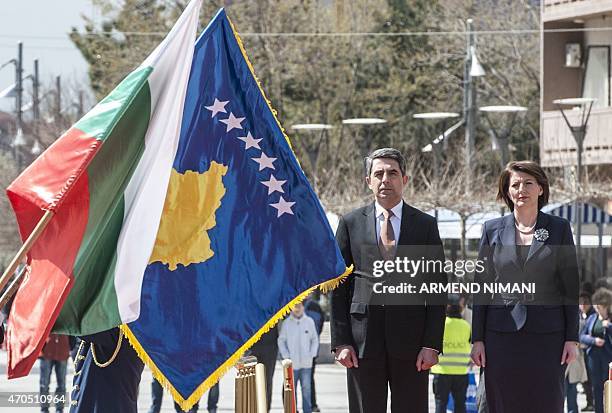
column 408, row 235
column 370, row 225
column 407, row 227
column 371, row 241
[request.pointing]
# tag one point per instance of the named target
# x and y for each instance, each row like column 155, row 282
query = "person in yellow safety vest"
column 451, row 373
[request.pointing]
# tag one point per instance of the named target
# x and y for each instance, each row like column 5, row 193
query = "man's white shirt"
column 396, row 219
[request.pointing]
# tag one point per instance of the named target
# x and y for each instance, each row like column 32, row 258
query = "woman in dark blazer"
column 525, row 340
column 596, row 335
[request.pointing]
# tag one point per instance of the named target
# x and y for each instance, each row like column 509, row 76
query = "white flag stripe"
column 146, row 191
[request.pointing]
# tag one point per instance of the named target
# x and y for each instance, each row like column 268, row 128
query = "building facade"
column 576, row 62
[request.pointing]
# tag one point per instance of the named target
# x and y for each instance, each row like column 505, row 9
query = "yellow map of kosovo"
column 189, row 212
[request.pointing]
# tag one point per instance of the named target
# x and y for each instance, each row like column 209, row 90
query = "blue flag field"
column 242, row 236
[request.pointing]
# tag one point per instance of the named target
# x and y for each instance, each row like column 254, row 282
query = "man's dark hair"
column 388, row 153
column 453, row 311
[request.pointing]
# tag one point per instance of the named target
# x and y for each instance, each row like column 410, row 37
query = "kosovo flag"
column 242, row 236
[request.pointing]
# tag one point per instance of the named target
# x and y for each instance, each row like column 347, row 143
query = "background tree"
column 321, row 62
column 9, row 235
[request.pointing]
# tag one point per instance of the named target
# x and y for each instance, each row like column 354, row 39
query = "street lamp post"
column 579, row 133
column 472, row 69
column 313, row 151
column 435, row 146
column 502, row 137
column 364, row 144
column 17, row 89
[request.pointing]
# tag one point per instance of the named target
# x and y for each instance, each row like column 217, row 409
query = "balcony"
column 558, row 147
column 555, row 10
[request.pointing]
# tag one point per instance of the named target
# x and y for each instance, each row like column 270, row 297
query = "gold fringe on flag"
column 186, row 404
column 248, row 62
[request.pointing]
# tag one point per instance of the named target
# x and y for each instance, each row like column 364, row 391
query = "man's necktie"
column 386, row 243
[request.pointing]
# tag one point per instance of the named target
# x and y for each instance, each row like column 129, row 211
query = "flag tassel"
column 186, row 404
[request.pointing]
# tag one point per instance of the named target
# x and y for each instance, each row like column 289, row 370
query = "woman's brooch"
column 541, row 234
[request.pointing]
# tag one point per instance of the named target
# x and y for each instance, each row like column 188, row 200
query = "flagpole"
column 12, row 289
column 25, row 248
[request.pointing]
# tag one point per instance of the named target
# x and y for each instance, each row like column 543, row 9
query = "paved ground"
column 330, row 382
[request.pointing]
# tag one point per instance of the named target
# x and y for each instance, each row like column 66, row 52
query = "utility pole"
column 36, row 109
column 19, row 85
column 35, row 99
column 80, row 108
column 469, row 103
column 58, row 97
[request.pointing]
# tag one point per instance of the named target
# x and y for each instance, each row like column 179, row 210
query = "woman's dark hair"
column 530, row 168
column 584, row 298
column 603, row 296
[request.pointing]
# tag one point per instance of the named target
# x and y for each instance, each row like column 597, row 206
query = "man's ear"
column 367, row 179
column 405, row 179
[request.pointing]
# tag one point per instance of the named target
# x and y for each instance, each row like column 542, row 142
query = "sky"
column 43, row 27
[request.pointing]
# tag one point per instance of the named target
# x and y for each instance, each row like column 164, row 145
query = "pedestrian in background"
column 266, row 351
column 586, row 309
column 314, row 311
column 596, row 335
column 157, row 394
column 54, row 356
column 575, row 373
column 451, row 372
column 299, row 342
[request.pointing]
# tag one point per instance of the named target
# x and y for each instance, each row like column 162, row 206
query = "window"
column 596, row 83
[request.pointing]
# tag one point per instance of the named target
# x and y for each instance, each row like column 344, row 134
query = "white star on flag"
column 250, row 141
column 232, row 122
column 274, row 185
column 217, row 107
column 283, row 207
column 264, row 161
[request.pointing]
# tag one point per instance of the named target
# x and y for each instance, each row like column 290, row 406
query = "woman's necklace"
column 527, row 231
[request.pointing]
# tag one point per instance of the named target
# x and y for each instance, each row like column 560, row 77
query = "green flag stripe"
column 100, row 121
column 92, row 303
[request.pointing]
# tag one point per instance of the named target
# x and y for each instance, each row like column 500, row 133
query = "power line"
column 30, row 47
column 332, row 34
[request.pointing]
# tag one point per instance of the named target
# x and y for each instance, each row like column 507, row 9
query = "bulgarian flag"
column 104, row 181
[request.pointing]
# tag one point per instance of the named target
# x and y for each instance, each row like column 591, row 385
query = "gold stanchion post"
column 260, row 384
column 246, row 400
column 288, row 387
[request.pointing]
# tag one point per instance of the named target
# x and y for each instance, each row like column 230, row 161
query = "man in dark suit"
column 385, row 345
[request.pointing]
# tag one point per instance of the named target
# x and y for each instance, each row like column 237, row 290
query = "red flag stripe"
column 48, row 282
